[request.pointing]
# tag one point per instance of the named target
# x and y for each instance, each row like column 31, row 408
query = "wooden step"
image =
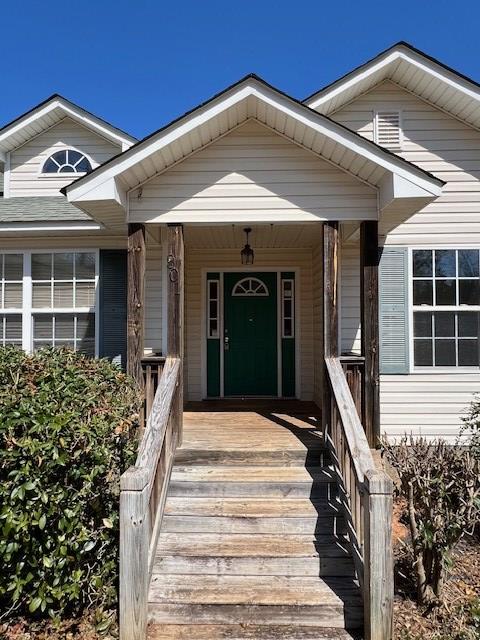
column 317, row 491
column 267, row 482
column 250, row 473
column 266, row 590
column 242, row 524
column 244, row 632
column 271, row 599
column 251, row 507
column 254, row 565
column 316, row 455
column 251, row 545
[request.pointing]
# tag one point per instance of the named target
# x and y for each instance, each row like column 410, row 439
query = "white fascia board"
column 78, row 115
column 22, row 227
column 394, row 187
column 93, row 123
column 111, row 190
column 253, row 216
column 380, row 67
column 311, row 119
column 348, row 83
column 146, row 149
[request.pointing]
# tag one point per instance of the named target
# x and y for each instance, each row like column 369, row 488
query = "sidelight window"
column 288, row 308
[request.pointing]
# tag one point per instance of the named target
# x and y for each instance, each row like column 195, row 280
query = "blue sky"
column 139, row 64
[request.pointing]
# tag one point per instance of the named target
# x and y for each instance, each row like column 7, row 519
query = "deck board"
column 261, row 425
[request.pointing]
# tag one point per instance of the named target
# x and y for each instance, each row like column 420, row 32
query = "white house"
column 362, row 205
column 396, row 141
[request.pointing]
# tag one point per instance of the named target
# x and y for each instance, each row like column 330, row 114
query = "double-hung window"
column 446, row 307
column 11, row 298
column 49, row 299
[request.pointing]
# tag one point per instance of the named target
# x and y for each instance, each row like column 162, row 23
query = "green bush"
column 67, row 425
column 471, row 426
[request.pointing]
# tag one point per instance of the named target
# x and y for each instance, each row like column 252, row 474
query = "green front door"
column 250, row 334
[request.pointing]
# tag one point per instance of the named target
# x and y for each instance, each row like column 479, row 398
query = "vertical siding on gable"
column 196, row 260
column 428, row 404
column 27, row 161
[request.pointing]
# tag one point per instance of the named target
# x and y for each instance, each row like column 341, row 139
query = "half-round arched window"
column 250, row 287
column 67, row 161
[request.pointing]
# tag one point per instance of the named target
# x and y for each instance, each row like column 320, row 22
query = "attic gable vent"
column 388, row 131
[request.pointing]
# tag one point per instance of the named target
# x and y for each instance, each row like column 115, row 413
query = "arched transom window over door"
column 250, row 287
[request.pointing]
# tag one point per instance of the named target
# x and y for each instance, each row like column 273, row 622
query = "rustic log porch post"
column 370, row 332
column 175, row 304
column 135, row 300
column 330, row 312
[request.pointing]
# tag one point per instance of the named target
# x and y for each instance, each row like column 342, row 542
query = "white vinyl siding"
column 214, row 261
column 438, row 143
column 27, row 161
column 153, row 298
column 350, row 334
column 431, row 403
column 317, row 290
column 426, row 404
column 253, row 171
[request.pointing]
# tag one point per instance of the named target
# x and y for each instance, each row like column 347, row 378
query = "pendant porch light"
column 246, row 253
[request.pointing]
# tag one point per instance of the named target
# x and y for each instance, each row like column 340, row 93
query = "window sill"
column 56, row 176
column 444, row 370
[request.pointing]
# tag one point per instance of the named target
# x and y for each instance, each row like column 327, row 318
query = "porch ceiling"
column 251, row 98
column 262, row 236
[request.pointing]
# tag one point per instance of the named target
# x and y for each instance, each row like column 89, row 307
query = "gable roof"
column 50, row 112
column 411, row 69
column 250, row 98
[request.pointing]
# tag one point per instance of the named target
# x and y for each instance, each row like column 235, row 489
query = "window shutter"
column 113, row 306
column 387, row 132
column 393, row 294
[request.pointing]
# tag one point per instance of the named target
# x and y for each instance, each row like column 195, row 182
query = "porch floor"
column 253, row 425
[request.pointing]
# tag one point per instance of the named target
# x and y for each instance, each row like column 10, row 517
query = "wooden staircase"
column 252, row 544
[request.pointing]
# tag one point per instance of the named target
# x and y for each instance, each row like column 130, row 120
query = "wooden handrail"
column 143, row 491
column 368, row 499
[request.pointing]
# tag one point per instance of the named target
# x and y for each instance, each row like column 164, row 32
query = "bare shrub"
column 441, row 485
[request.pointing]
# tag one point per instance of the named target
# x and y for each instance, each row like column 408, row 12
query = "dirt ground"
column 85, row 628
column 459, row 617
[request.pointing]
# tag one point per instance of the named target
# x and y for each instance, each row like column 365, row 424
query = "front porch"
column 272, row 449
column 268, row 345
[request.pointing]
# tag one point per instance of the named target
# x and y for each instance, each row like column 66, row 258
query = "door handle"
column 226, row 343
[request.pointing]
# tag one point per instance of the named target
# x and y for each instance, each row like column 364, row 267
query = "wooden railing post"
column 378, row 556
column 330, row 314
column 370, row 329
column 175, row 299
column 135, row 301
column 134, row 553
